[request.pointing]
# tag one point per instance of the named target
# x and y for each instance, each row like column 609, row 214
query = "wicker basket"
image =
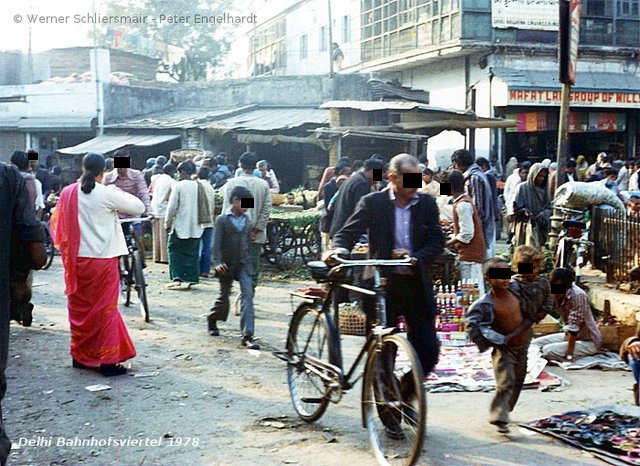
column 278, row 199
column 180, row 155
column 614, row 335
column 352, row 321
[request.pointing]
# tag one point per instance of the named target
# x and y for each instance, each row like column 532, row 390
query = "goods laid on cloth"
column 580, row 196
column 605, row 360
column 465, row 369
column 611, row 433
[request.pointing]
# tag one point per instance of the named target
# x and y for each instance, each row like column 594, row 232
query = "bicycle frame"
column 374, row 338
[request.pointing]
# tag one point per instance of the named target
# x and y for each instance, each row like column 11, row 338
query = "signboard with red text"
column 577, row 98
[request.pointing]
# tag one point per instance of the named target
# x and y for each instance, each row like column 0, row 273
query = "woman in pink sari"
column 86, row 231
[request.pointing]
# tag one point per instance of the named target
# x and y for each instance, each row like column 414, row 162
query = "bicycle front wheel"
column 49, row 248
column 141, row 285
column 394, row 404
column 307, row 349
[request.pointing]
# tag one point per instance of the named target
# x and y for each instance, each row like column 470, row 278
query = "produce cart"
column 292, row 235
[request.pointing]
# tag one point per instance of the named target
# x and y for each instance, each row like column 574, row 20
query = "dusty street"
column 213, row 402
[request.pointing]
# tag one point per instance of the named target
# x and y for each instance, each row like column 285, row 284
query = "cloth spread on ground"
column 612, row 433
column 465, row 369
column 605, row 360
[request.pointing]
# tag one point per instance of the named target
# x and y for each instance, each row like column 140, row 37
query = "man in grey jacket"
column 260, row 212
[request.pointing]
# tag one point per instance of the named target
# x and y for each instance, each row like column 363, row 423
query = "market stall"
column 293, row 230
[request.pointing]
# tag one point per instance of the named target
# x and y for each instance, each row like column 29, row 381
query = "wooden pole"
column 563, row 135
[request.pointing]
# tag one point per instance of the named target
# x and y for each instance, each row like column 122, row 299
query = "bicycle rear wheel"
column 394, row 403
column 125, row 280
column 140, row 284
column 308, row 341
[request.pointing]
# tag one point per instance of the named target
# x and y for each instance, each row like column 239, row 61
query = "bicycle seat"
column 574, row 224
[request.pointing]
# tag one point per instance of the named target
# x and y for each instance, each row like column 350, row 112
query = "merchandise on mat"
column 608, row 432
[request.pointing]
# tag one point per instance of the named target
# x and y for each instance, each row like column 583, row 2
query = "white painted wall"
column 445, row 82
column 49, row 101
column 308, row 19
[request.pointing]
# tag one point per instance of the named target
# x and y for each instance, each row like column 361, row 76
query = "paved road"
column 210, row 398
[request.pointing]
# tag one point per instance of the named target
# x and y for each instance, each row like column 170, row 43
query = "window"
column 324, row 33
column 303, row 47
column 346, row 29
column 390, row 27
column 628, row 8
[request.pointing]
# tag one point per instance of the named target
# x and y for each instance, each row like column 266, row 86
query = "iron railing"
column 617, row 243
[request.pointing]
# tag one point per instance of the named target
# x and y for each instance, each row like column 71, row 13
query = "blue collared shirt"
column 238, row 222
column 402, row 239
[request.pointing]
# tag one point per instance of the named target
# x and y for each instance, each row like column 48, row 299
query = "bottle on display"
column 402, row 324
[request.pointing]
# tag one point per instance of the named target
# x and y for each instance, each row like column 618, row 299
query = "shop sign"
column 525, row 14
column 577, row 98
column 579, row 122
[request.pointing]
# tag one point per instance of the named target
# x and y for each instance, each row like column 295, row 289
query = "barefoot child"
column 496, row 320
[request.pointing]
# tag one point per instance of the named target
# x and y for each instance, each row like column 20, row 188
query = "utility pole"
column 330, row 39
column 96, row 77
column 568, row 39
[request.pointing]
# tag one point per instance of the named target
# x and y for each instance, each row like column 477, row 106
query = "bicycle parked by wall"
column 131, row 267
column 393, row 399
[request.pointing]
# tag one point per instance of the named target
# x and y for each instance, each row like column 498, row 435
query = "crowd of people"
column 459, row 208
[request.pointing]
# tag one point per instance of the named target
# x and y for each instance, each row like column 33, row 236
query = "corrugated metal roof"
column 58, row 123
column 272, row 119
column 370, row 106
column 111, row 142
column 547, row 79
column 183, row 118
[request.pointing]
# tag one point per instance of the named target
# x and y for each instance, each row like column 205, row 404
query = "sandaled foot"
column 111, row 370
column 175, row 285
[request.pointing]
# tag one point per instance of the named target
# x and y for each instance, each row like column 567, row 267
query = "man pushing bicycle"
column 401, row 222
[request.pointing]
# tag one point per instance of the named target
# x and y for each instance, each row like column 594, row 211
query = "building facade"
column 298, row 39
column 499, row 58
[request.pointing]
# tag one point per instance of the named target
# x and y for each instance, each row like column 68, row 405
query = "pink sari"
column 98, row 333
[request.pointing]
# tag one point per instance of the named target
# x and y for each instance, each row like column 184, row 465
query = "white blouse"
column 100, row 231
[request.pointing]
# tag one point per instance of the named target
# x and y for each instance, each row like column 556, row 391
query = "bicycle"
column 573, row 249
column 393, row 399
column 131, row 273
column 49, row 248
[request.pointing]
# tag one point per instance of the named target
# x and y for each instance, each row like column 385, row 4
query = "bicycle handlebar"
column 135, row 219
column 374, row 262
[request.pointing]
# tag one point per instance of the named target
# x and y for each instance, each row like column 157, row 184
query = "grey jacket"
column 480, row 318
column 231, row 246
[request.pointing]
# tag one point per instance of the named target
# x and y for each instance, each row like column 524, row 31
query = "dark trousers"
column 220, row 310
column 405, row 296
column 5, row 443
column 510, row 370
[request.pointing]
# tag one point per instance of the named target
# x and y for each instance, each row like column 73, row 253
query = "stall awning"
column 250, row 138
column 459, row 125
column 344, row 132
column 111, row 142
column 542, row 88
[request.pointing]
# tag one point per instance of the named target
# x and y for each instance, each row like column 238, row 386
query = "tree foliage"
column 205, row 44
